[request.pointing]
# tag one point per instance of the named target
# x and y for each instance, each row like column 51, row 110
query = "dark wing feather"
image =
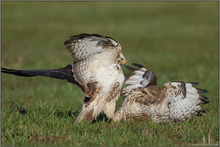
column 64, row 73
column 183, row 100
column 141, row 78
column 84, row 45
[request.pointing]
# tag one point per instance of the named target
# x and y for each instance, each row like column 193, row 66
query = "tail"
column 64, row 73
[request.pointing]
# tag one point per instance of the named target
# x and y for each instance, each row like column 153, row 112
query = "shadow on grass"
column 102, row 117
column 67, row 114
column 57, row 112
column 14, row 107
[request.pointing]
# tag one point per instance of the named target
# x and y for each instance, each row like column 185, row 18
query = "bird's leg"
column 90, row 110
column 110, row 108
column 81, row 115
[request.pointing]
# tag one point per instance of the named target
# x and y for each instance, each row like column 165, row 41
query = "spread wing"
column 183, row 100
column 141, row 78
column 84, row 45
column 64, row 73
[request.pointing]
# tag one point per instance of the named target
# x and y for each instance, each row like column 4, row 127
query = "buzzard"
column 174, row 101
column 95, row 70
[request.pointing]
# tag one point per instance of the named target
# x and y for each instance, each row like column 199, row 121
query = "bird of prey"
column 95, row 70
column 174, row 101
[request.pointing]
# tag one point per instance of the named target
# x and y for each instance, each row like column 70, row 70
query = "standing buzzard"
column 174, row 101
column 96, row 70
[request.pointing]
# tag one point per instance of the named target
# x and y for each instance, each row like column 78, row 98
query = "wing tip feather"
column 204, row 102
column 198, row 113
column 202, row 110
column 194, row 83
column 131, row 68
column 138, row 65
column 201, row 97
column 201, row 90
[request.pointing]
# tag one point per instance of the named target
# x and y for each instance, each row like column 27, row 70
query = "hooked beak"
column 122, row 59
column 146, row 91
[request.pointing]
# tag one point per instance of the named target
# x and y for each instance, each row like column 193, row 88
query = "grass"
column 176, row 40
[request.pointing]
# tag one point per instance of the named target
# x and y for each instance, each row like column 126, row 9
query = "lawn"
column 176, row 40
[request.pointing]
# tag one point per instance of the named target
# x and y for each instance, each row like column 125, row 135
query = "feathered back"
column 174, row 101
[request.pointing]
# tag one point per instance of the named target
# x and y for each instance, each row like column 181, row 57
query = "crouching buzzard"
column 174, row 101
column 96, row 70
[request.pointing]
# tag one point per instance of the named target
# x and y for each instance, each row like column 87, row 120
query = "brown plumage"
column 174, row 101
column 96, row 70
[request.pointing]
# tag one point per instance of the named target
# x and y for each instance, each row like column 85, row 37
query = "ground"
column 176, row 40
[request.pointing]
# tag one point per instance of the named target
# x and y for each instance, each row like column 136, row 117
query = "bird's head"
column 148, row 91
column 121, row 59
column 151, row 91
